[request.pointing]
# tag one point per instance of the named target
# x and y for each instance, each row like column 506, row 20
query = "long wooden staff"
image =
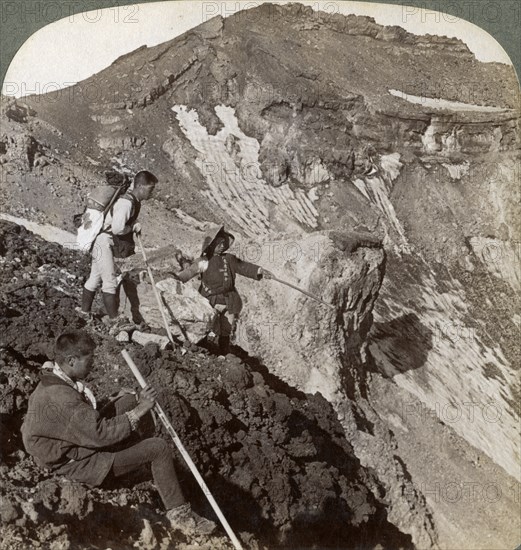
column 184, row 453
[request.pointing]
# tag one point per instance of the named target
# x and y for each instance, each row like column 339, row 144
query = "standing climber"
column 67, row 434
column 217, row 270
column 116, row 240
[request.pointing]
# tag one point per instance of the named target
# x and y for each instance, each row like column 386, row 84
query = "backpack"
column 99, row 202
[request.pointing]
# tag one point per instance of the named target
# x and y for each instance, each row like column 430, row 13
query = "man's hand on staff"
column 266, row 274
column 147, row 399
column 125, row 391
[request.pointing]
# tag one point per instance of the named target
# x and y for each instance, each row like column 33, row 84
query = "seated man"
column 64, row 432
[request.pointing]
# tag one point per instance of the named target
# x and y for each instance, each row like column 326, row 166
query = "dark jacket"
column 63, row 432
column 218, row 281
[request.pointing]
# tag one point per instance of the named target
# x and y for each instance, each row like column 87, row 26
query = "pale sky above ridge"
column 79, row 45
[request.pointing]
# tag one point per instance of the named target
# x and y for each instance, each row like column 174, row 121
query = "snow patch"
column 377, row 188
column 451, row 380
column 457, row 171
column 46, row 231
column 437, row 103
column 229, row 162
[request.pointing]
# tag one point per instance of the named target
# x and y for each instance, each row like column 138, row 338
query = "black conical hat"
column 210, row 238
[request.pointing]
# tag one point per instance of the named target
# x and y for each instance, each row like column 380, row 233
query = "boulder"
column 123, row 337
column 183, row 303
column 144, row 338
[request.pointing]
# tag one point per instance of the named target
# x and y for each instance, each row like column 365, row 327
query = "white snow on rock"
column 438, row 103
column 377, row 189
column 46, row 231
column 229, row 162
column 457, row 171
column 448, row 373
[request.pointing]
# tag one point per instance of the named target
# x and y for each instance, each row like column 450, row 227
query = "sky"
column 79, row 45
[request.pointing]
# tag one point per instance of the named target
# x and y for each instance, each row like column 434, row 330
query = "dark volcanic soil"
column 275, row 459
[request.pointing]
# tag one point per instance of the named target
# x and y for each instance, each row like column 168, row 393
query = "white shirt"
column 117, row 221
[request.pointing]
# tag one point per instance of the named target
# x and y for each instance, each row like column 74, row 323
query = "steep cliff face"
column 408, row 139
column 322, row 349
column 309, row 344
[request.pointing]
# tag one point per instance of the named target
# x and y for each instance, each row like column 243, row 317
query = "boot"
column 118, row 324
column 86, row 300
column 184, row 519
column 111, row 304
column 224, row 345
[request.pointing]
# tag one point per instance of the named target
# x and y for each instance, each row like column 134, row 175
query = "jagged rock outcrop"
column 312, row 346
column 121, row 143
column 321, row 349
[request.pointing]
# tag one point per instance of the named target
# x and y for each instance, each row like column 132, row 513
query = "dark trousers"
column 154, row 451
column 130, row 288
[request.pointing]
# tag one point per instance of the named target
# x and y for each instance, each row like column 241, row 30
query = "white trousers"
column 103, row 270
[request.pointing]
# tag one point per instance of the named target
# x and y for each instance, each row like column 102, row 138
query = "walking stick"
column 303, row 291
column 156, row 293
column 161, row 414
